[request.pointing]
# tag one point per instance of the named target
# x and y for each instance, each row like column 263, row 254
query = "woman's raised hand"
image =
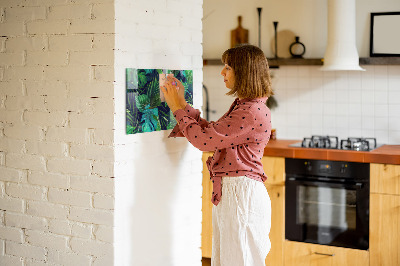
column 181, row 91
column 174, row 93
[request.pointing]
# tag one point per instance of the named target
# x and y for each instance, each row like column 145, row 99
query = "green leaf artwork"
column 146, row 109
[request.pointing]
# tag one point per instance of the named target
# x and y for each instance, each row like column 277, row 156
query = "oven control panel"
column 338, row 169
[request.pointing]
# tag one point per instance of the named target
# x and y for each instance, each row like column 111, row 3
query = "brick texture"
column 48, row 60
column 25, row 250
column 46, row 209
column 24, row 221
column 62, row 107
column 47, row 240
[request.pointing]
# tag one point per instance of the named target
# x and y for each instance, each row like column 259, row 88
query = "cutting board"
column 239, row 35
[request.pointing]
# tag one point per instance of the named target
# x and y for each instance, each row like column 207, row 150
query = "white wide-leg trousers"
column 241, row 223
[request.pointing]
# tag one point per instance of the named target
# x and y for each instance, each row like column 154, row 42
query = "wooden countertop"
column 389, row 154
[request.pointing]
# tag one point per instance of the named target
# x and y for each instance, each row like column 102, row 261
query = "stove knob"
column 343, row 168
column 308, row 166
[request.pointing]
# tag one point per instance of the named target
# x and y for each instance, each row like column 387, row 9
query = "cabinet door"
column 206, row 226
column 384, row 230
column 277, row 233
column 274, row 168
column 385, row 178
column 304, row 254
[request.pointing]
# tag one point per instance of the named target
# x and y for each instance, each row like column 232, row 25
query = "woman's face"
column 229, row 76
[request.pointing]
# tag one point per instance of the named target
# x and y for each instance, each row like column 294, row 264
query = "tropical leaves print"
column 150, row 120
column 145, row 112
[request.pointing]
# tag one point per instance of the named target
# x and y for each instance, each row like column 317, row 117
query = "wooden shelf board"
column 380, row 61
column 276, row 62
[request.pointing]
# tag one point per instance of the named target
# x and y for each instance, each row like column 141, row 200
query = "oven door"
column 327, row 213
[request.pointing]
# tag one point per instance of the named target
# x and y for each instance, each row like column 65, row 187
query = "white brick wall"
column 17, row 220
column 56, row 132
column 158, row 180
column 62, row 138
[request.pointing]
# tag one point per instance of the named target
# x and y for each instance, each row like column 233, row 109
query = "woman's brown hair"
column 250, row 66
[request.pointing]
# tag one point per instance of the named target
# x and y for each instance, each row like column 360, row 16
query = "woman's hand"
column 181, row 91
column 174, row 94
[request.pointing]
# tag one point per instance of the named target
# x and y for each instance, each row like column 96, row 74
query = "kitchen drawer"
column 305, row 254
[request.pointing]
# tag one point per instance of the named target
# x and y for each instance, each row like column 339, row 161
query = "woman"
column 242, row 208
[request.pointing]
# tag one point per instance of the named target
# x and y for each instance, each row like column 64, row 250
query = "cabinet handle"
column 324, row 254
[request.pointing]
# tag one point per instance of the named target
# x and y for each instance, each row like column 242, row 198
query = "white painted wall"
column 158, row 180
column 344, row 103
column 56, row 132
column 305, row 18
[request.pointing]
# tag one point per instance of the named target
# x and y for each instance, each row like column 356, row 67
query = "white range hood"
column 341, row 51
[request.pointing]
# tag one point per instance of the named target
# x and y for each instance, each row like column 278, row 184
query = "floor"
column 206, row 261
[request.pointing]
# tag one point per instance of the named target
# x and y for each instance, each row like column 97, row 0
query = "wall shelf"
column 380, row 61
column 274, row 63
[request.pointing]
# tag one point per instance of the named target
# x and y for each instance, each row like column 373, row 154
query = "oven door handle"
column 357, row 185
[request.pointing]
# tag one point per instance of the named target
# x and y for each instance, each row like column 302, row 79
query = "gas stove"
column 332, row 142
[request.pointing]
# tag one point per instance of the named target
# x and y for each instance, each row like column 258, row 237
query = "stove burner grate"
column 327, row 142
column 358, row 144
column 332, row 142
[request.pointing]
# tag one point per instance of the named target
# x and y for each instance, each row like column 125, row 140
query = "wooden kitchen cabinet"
column 305, row 254
column 277, row 233
column 384, row 237
column 206, row 225
column 274, row 168
column 385, row 178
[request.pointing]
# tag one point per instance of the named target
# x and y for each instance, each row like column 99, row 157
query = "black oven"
column 327, row 202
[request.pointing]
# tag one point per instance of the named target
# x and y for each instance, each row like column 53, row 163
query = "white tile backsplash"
column 394, row 82
column 381, row 97
column 342, row 109
column 292, row 82
column 343, row 103
column 342, row 123
column 304, row 82
column 367, row 97
column 393, row 110
column 394, row 97
column 382, row 136
column 394, row 124
column 382, row 110
column 329, row 109
column 393, row 71
column 381, row 83
column 367, row 110
column 381, row 71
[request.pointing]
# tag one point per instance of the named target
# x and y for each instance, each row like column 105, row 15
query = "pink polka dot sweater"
column 238, row 139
